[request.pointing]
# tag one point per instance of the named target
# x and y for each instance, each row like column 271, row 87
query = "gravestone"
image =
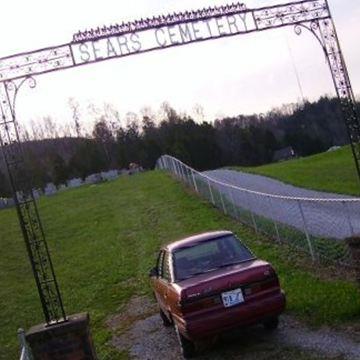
column 50, row 189
column 62, row 187
column 109, row 175
column 20, row 196
column 36, row 193
column 123, row 172
column 10, row 202
column 2, row 203
column 93, row 179
column 135, row 168
column 74, row 183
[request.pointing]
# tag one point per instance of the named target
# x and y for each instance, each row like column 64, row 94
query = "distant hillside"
column 330, row 171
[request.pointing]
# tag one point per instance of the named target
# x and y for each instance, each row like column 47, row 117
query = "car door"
column 164, row 281
column 155, row 279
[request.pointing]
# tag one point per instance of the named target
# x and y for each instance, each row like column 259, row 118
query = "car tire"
column 271, row 324
column 166, row 322
column 187, row 347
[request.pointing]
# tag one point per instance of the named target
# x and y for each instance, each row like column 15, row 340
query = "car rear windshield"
column 208, row 256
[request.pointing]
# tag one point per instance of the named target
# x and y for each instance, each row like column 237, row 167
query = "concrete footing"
column 70, row 340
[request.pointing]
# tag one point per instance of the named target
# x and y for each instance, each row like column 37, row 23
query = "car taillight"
column 188, row 306
column 262, row 285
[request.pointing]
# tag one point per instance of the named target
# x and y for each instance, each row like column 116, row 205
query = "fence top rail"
column 274, row 196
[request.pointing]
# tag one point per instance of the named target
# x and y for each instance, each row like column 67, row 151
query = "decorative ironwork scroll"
column 37, row 62
column 290, row 14
column 28, row 215
column 136, row 37
column 158, row 21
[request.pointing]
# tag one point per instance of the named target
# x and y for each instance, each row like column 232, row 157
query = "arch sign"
column 137, row 37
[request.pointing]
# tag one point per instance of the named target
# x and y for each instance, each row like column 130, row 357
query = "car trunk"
column 205, row 292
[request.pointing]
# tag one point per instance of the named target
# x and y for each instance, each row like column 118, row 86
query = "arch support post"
column 342, row 83
column 325, row 32
column 26, row 207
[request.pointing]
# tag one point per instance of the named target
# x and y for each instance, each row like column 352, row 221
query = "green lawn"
column 104, row 239
column 334, row 172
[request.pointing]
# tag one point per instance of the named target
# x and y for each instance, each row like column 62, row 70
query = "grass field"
column 104, row 239
column 333, row 172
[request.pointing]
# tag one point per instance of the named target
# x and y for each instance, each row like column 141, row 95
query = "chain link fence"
column 317, row 226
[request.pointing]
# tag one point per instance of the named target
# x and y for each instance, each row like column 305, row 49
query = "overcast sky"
column 242, row 74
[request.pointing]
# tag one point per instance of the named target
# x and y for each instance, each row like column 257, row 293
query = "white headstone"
column 74, row 183
column 123, row 172
column 36, row 193
column 110, row 175
column 93, row 179
column 334, row 148
column 50, row 189
column 2, row 203
column 62, row 187
column 10, row 202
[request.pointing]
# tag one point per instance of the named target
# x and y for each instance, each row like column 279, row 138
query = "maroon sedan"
column 210, row 283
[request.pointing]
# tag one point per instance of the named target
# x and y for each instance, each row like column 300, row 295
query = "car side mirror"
column 153, row 272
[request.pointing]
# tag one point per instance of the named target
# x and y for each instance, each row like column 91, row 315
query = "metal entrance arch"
column 138, row 37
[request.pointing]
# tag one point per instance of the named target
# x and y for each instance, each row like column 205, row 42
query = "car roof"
column 192, row 240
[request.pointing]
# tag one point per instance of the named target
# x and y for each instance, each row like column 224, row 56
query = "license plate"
column 232, row 298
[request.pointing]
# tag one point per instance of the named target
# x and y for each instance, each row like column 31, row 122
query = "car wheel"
column 187, row 347
column 166, row 322
column 271, row 324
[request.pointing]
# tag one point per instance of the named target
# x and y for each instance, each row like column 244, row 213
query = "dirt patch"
column 139, row 331
column 138, row 308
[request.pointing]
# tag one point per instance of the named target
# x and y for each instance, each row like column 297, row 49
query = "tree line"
column 247, row 140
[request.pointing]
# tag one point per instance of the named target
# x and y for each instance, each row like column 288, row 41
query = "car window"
column 166, row 267
column 206, row 249
column 160, row 263
column 209, row 255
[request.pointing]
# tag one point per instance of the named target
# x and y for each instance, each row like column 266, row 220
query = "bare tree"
column 113, row 118
column 37, row 130
column 50, row 128
column 198, row 113
column 131, row 118
column 75, row 108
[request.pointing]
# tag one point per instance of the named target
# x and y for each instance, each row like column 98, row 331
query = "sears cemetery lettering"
column 163, row 37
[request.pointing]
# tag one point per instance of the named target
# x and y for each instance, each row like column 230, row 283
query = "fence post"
column 306, row 231
column 252, row 214
column 188, row 176
column 185, row 174
column 222, row 201
column 176, row 171
column 24, row 348
column 182, row 172
column 194, row 180
column 275, row 222
column 168, row 159
column 348, row 218
column 211, row 194
column 178, row 167
column 233, row 202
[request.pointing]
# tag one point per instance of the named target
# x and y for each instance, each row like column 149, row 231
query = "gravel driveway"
column 144, row 337
column 323, row 219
